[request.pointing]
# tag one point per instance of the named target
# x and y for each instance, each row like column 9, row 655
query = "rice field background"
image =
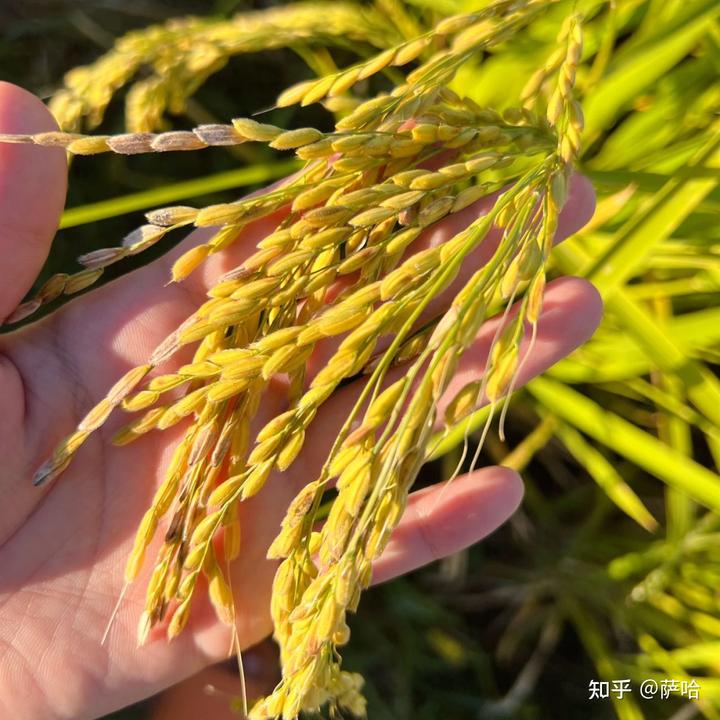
column 611, row 569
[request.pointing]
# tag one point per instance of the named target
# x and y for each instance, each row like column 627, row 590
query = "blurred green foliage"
column 612, row 567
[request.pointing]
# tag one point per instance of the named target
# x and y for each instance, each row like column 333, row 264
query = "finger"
column 33, row 181
column 443, row 519
column 571, row 312
column 575, row 214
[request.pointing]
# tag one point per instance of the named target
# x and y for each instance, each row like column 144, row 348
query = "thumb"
column 33, row 181
column 32, row 193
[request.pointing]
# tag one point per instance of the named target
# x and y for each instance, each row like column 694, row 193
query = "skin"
column 63, row 547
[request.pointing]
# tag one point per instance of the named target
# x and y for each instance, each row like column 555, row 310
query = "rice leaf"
column 629, row 441
column 679, row 197
column 632, row 73
column 243, row 177
column 606, row 476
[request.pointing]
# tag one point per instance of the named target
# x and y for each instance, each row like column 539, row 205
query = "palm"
column 62, row 550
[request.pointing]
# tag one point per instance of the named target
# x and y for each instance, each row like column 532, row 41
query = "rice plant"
column 434, row 110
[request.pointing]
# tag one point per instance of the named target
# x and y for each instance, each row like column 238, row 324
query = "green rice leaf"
column 681, row 195
column 606, row 476
column 156, row 197
column 629, row 441
column 631, row 73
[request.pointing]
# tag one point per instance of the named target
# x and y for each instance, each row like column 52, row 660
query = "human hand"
column 63, row 548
